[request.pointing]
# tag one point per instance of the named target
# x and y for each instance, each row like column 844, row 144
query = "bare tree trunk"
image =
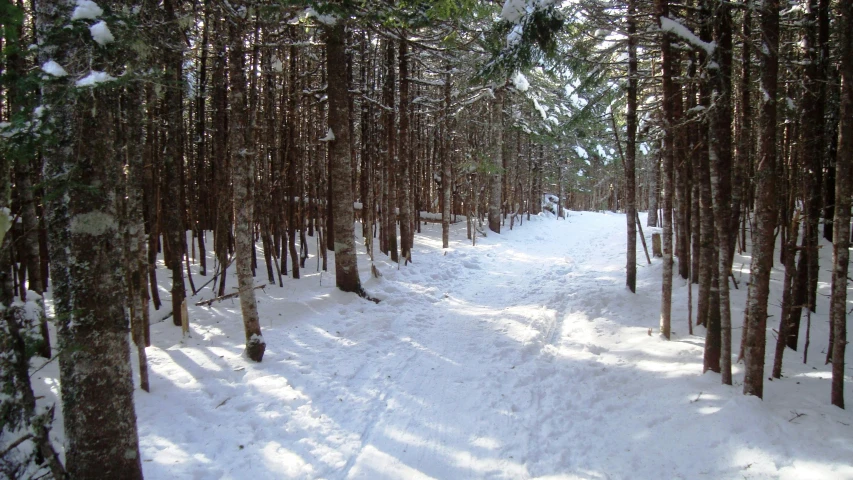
column 669, row 92
column 765, row 205
column 242, row 163
column 346, row 265
column 174, row 233
column 631, row 151
column 390, row 185
column 496, row 162
column 404, row 183
column 841, row 239
column 720, row 149
column 446, row 159
column 84, row 172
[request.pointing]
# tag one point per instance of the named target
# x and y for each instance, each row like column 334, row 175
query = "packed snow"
column 101, row 33
column 86, row 10
column 524, row 356
column 50, row 67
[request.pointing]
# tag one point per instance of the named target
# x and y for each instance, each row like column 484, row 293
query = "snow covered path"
column 522, row 357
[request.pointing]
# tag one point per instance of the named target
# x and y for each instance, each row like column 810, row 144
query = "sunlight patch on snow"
column 374, row 463
column 342, row 341
column 486, row 442
column 429, row 351
column 167, row 452
column 284, row 462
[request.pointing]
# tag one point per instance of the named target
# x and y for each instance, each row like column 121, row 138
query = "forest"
column 401, row 179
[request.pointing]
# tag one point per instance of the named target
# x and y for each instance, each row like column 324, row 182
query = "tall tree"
column 841, row 234
column 83, row 173
column 720, row 149
column 242, row 164
column 669, row 93
column 631, row 149
column 765, row 203
column 346, row 263
column 496, row 162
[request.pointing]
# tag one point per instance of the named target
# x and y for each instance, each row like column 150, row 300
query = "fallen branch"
column 15, row 444
column 207, row 303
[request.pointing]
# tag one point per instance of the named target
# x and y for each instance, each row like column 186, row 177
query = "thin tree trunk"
column 669, row 92
column 720, row 149
column 496, row 162
column 404, row 183
column 242, row 162
column 765, row 204
column 631, row 151
column 841, row 239
column 446, row 159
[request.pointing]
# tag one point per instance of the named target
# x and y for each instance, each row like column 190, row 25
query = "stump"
column 656, row 246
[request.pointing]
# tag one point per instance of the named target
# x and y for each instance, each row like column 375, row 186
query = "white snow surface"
column 523, row 357
column 86, row 10
column 101, row 33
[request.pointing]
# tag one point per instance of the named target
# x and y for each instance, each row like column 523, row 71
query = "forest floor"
column 524, row 356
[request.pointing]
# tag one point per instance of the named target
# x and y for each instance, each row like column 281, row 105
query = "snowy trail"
column 522, row 357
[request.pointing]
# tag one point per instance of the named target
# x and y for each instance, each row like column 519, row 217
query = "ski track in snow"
column 522, row 357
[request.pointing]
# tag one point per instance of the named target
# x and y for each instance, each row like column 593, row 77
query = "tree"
column 242, row 164
column 83, row 174
column 841, row 233
column 346, row 263
column 720, row 149
column 765, row 204
column 669, row 121
column 631, row 149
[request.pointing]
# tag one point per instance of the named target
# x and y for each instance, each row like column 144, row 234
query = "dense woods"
column 137, row 129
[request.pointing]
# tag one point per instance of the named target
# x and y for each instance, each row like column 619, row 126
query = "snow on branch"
column 679, row 30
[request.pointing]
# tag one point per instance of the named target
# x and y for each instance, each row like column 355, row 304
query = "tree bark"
column 346, row 265
column 669, row 92
column 841, row 234
column 84, row 170
column 631, row 151
column 242, row 163
column 496, row 162
column 765, row 204
column 404, row 164
column 720, row 149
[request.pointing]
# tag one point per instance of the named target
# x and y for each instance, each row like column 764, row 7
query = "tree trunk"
column 85, row 167
column 242, row 164
column 765, row 205
column 669, row 92
column 841, row 240
column 174, row 233
column 496, row 162
column 631, row 151
column 720, row 149
column 346, row 266
column 446, row 160
column 404, row 183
